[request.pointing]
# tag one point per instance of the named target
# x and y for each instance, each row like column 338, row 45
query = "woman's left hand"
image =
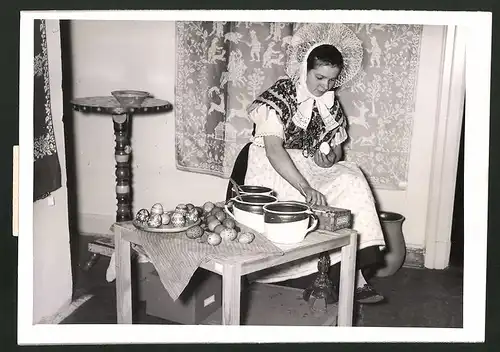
column 323, row 160
column 326, row 160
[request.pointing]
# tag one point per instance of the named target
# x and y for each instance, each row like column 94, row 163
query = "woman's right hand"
column 313, row 196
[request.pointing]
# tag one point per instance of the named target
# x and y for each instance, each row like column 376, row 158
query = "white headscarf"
column 305, row 39
column 306, row 100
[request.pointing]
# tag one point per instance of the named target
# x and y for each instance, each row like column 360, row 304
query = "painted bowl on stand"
column 130, row 98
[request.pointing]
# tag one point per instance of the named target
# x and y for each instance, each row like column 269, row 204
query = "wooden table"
column 232, row 269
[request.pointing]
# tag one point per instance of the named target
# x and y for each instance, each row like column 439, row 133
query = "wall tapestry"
column 47, row 170
column 223, row 66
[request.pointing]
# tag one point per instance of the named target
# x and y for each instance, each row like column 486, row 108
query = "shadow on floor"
column 415, row 298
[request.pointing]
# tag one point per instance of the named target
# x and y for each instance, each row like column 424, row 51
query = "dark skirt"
column 368, row 259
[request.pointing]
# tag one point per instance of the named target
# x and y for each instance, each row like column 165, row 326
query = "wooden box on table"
column 331, row 218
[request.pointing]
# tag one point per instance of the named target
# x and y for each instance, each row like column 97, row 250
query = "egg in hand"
column 325, row 148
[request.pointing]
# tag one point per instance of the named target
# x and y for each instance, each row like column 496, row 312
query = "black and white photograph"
column 292, row 176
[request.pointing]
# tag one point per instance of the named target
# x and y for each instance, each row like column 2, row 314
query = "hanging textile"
column 381, row 105
column 47, row 170
column 222, row 66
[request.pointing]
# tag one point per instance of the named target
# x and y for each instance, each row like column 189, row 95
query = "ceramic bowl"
column 130, row 98
column 247, row 209
column 249, row 189
column 288, row 222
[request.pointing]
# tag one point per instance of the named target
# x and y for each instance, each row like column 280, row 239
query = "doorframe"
column 446, row 145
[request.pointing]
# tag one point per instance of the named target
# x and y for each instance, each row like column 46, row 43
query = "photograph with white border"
column 327, row 114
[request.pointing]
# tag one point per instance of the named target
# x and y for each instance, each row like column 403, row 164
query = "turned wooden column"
column 121, row 125
column 108, row 105
column 322, row 291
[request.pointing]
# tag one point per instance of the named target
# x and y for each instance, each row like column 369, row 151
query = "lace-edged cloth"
column 311, row 35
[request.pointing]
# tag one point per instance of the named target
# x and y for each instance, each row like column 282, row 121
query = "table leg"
column 346, row 288
column 121, row 124
column 231, row 294
column 123, row 279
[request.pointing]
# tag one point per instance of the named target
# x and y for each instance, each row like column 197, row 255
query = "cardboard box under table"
column 179, row 258
column 201, row 298
column 201, row 303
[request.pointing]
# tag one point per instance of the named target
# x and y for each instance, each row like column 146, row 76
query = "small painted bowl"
column 130, row 98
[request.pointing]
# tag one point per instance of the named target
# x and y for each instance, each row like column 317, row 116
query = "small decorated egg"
column 154, row 220
column 246, row 237
column 213, row 224
column 194, row 232
column 199, row 210
column 210, row 218
column 214, row 239
column 229, row 223
column 215, row 210
column 181, row 208
column 192, row 216
column 208, row 206
column 220, row 215
column 165, row 218
column 218, row 229
column 220, row 204
column 324, row 148
column 157, row 209
column 228, row 234
column 142, row 215
column 177, row 220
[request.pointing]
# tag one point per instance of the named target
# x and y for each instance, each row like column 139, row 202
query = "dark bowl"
column 249, row 189
column 253, row 203
column 255, row 189
column 284, row 212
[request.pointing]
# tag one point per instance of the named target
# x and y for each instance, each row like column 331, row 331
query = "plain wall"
column 109, row 55
column 52, row 284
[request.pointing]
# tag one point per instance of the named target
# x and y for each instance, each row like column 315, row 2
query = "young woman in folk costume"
column 291, row 120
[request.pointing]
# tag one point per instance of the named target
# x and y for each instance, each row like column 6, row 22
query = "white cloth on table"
column 111, row 271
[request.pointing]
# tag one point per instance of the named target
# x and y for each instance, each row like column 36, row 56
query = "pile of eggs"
column 214, row 228
column 184, row 214
column 217, row 227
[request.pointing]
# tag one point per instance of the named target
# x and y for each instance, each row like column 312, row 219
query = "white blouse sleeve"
column 267, row 123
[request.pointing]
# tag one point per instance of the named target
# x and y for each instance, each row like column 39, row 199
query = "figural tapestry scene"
column 223, row 66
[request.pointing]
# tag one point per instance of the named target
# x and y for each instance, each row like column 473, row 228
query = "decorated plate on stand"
column 164, row 228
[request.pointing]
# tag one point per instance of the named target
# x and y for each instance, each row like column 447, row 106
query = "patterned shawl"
column 282, row 98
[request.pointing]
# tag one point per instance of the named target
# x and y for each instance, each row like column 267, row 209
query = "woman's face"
column 320, row 79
